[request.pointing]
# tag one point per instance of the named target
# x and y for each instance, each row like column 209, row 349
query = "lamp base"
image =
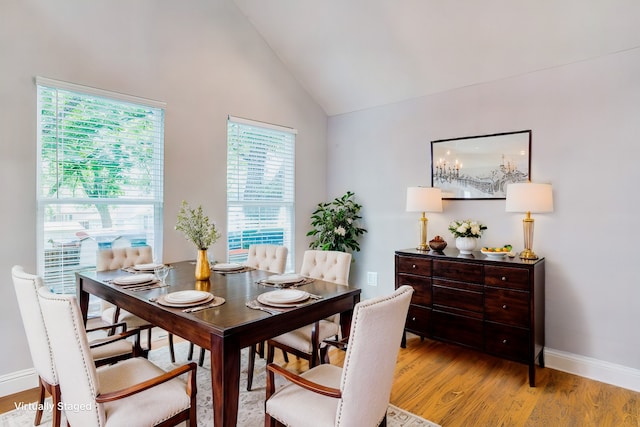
column 423, row 248
column 528, row 254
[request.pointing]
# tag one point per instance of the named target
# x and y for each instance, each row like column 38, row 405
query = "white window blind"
column 260, row 187
column 100, row 177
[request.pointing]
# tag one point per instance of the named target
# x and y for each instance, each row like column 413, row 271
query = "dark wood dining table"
column 226, row 329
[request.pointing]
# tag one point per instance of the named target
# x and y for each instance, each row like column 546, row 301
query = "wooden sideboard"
column 492, row 305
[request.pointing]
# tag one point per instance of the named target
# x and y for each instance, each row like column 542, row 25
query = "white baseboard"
column 606, row 372
column 610, row 373
column 18, row 381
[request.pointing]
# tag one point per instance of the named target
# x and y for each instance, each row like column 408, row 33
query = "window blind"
column 260, row 187
column 100, row 177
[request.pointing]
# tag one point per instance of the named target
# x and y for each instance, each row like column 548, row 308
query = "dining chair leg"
column 383, row 423
column 39, row 409
column 171, row 349
column 201, row 358
column 190, row 353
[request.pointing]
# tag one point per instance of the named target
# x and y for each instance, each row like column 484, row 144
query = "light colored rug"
column 251, row 413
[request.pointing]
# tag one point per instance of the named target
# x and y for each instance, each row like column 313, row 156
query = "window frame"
column 286, row 204
column 154, row 201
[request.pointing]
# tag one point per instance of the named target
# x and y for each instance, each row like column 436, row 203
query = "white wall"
column 201, row 57
column 584, row 119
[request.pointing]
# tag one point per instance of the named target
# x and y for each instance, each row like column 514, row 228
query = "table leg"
column 83, row 299
column 225, row 381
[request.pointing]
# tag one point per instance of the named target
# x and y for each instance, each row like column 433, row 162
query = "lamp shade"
column 529, row 197
column 424, row 199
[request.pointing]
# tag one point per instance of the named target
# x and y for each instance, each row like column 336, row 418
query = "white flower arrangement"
column 466, row 228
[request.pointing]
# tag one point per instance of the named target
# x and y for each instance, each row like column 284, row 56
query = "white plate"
column 146, row 267
column 186, row 297
column 283, row 298
column 227, row 267
column 496, row 255
column 162, row 300
column 278, row 279
column 134, row 279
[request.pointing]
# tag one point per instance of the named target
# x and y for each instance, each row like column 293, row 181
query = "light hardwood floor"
column 458, row 387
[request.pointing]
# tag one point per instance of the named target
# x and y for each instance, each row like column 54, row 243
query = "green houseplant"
column 335, row 225
column 200, row 231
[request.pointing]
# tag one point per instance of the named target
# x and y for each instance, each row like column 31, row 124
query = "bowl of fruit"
column 496, row 252
column 437, row 244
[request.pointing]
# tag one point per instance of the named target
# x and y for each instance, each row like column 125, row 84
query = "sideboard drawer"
column 421, row 288
column 506, row 306
column 419, row 266
column 458, row 271
column 457, row 329
column 460, row 295
column 506, row 277
column 506, row 341
column 418, row 320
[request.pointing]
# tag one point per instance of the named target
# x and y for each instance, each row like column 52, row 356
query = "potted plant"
column 200, row 231
column 335, row 225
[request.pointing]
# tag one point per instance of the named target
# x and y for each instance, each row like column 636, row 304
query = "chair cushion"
column 116, row 348
column 146, row 408
column 294, row 406
column 300, row 339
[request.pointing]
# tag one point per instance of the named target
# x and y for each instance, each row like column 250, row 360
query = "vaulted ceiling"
column 356, row 54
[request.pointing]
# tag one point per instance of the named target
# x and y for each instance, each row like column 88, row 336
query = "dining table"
column 223, row 329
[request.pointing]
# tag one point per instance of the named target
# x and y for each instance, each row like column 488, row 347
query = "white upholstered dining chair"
column 271, row 258
column 356, row 394
column 305, row 342
column 114, row 259
column 103, row 351
column 131, row 392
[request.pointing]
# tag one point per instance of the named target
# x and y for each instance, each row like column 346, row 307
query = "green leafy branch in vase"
column 196, row 226
column 335, row 225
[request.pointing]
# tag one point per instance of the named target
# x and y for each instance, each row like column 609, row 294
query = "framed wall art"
column 480, row 167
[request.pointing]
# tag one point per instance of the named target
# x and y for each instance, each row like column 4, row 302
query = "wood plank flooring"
column 458, row 387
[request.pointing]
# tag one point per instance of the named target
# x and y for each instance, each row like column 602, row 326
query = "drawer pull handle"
column 504, row 341
column 504, row 306
column 504, row 279
column 413, row 319
column 413, row 266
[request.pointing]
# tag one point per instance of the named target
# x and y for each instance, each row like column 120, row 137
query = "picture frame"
column 480, row 167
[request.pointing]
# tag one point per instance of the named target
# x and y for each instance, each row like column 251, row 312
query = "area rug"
column 250, row 414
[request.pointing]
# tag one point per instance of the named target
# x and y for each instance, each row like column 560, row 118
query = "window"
column 99, row 177
column 260, row 187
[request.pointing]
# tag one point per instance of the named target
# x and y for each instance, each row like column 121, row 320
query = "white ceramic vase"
column 466, row 244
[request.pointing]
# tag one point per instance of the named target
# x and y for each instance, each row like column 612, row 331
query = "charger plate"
column 227, row 266
column 135, row 279
column 283, row 298
column 162, row 300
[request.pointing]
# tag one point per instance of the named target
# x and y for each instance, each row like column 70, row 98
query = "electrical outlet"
column 372, row 278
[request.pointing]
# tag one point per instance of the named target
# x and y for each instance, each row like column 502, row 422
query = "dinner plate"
column 281, row 279
column 186, row 297
column 134, row 279
column 283, row 298
column 146, row 267
column 227, row 267
column 496, row 255
column 162, row 300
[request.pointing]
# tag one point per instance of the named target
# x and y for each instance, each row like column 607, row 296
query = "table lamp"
column 530, row 198
column 424, row 199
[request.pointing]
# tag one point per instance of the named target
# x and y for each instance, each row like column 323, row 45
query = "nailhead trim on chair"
column 79, row 344
column 354, row 321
